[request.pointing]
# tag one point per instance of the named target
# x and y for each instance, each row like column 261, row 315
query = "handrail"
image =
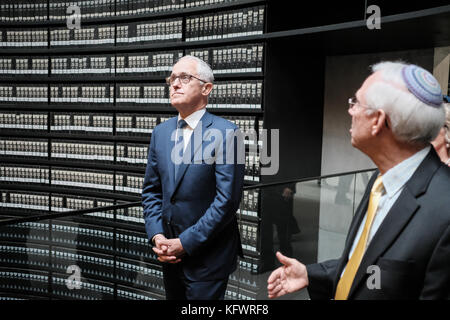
column 138, row 203
column 271, row 184
column 67, row 213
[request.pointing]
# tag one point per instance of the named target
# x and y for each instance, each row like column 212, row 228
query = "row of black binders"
column 228, row 24
column 226, row 94
column 126, row 123
column 95, row 152
column 223, row 60
column 57, row 10
column 77, row 116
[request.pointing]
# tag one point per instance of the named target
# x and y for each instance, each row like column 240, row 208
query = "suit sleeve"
column 437, row 276
column 152, row 194
column 321, row 279
column 229, row 182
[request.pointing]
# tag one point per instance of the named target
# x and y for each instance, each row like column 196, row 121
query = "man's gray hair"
column 204, row 71
column 411, row 120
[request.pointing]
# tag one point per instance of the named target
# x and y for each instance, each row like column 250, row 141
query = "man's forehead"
column 184, row 65
column 374, row 77
column 377, row 76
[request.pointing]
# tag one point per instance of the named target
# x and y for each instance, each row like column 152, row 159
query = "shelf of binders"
column 136, row 48
column 65, row 163
column 83, row 78
column 128, row 157
column 73, row 136
column 29, row 265
column 56, row 189
column 228, row 95
column 125, row 108
column 227, row 62
column 230, row 26
column 17, row 203
column 115, row 14
column 71, row 191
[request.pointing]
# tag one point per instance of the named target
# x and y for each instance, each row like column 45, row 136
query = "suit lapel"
column 398, row 217
column 169, row 147
column 353, row 230
column 188, row 157
column 360, row 213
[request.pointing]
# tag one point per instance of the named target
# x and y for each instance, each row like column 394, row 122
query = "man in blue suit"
column 192, row 189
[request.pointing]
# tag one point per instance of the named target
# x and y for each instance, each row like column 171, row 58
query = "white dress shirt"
column 192, row 120
column 394, row 181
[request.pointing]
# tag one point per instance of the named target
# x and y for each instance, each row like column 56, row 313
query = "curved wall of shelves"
column 77, row 108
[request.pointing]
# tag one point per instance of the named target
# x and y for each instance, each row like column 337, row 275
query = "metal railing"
column 104, row 253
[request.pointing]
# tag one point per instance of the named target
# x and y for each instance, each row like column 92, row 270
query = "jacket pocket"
column 399, row 279
column 397, row 266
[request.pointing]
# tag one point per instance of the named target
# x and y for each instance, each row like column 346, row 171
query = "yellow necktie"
column 345, row 283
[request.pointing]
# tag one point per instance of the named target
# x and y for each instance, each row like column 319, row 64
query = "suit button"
column 172, row 201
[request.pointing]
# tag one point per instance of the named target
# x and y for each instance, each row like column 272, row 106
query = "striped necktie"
column 180, row 125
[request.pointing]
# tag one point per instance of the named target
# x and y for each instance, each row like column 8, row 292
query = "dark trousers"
column 178, row 287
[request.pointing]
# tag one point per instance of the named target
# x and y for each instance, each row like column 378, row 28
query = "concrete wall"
column 441, row 67
column 343, row 77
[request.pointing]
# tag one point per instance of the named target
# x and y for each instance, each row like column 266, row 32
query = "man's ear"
column 206, row 90
column 379, row 122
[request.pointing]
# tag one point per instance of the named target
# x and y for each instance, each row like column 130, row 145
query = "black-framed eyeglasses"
column 184, row 78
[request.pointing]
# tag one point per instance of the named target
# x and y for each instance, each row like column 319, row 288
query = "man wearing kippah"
column 398, row 244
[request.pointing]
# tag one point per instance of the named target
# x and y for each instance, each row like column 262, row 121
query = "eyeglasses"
column 353, row 101
column 184, row 78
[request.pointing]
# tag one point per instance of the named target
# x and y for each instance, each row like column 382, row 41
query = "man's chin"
column 176, row 104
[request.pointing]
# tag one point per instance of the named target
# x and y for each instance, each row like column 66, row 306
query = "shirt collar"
column 395, row 178
column 194, row 118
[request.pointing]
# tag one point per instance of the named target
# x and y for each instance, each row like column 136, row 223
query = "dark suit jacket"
column 199, row 205
column 411, row 247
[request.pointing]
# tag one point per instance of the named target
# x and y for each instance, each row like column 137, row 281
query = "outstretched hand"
column 290, row 277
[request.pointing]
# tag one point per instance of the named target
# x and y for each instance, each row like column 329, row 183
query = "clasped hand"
column 168, row 250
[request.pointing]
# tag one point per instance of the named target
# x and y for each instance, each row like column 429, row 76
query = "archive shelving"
column 77, row 108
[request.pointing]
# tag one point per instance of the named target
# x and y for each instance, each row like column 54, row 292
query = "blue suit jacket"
column 199, row 205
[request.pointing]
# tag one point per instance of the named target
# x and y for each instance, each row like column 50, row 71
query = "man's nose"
column 176, row 83
column 350, row 112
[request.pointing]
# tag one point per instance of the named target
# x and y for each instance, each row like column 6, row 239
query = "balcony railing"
column 103, row 253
